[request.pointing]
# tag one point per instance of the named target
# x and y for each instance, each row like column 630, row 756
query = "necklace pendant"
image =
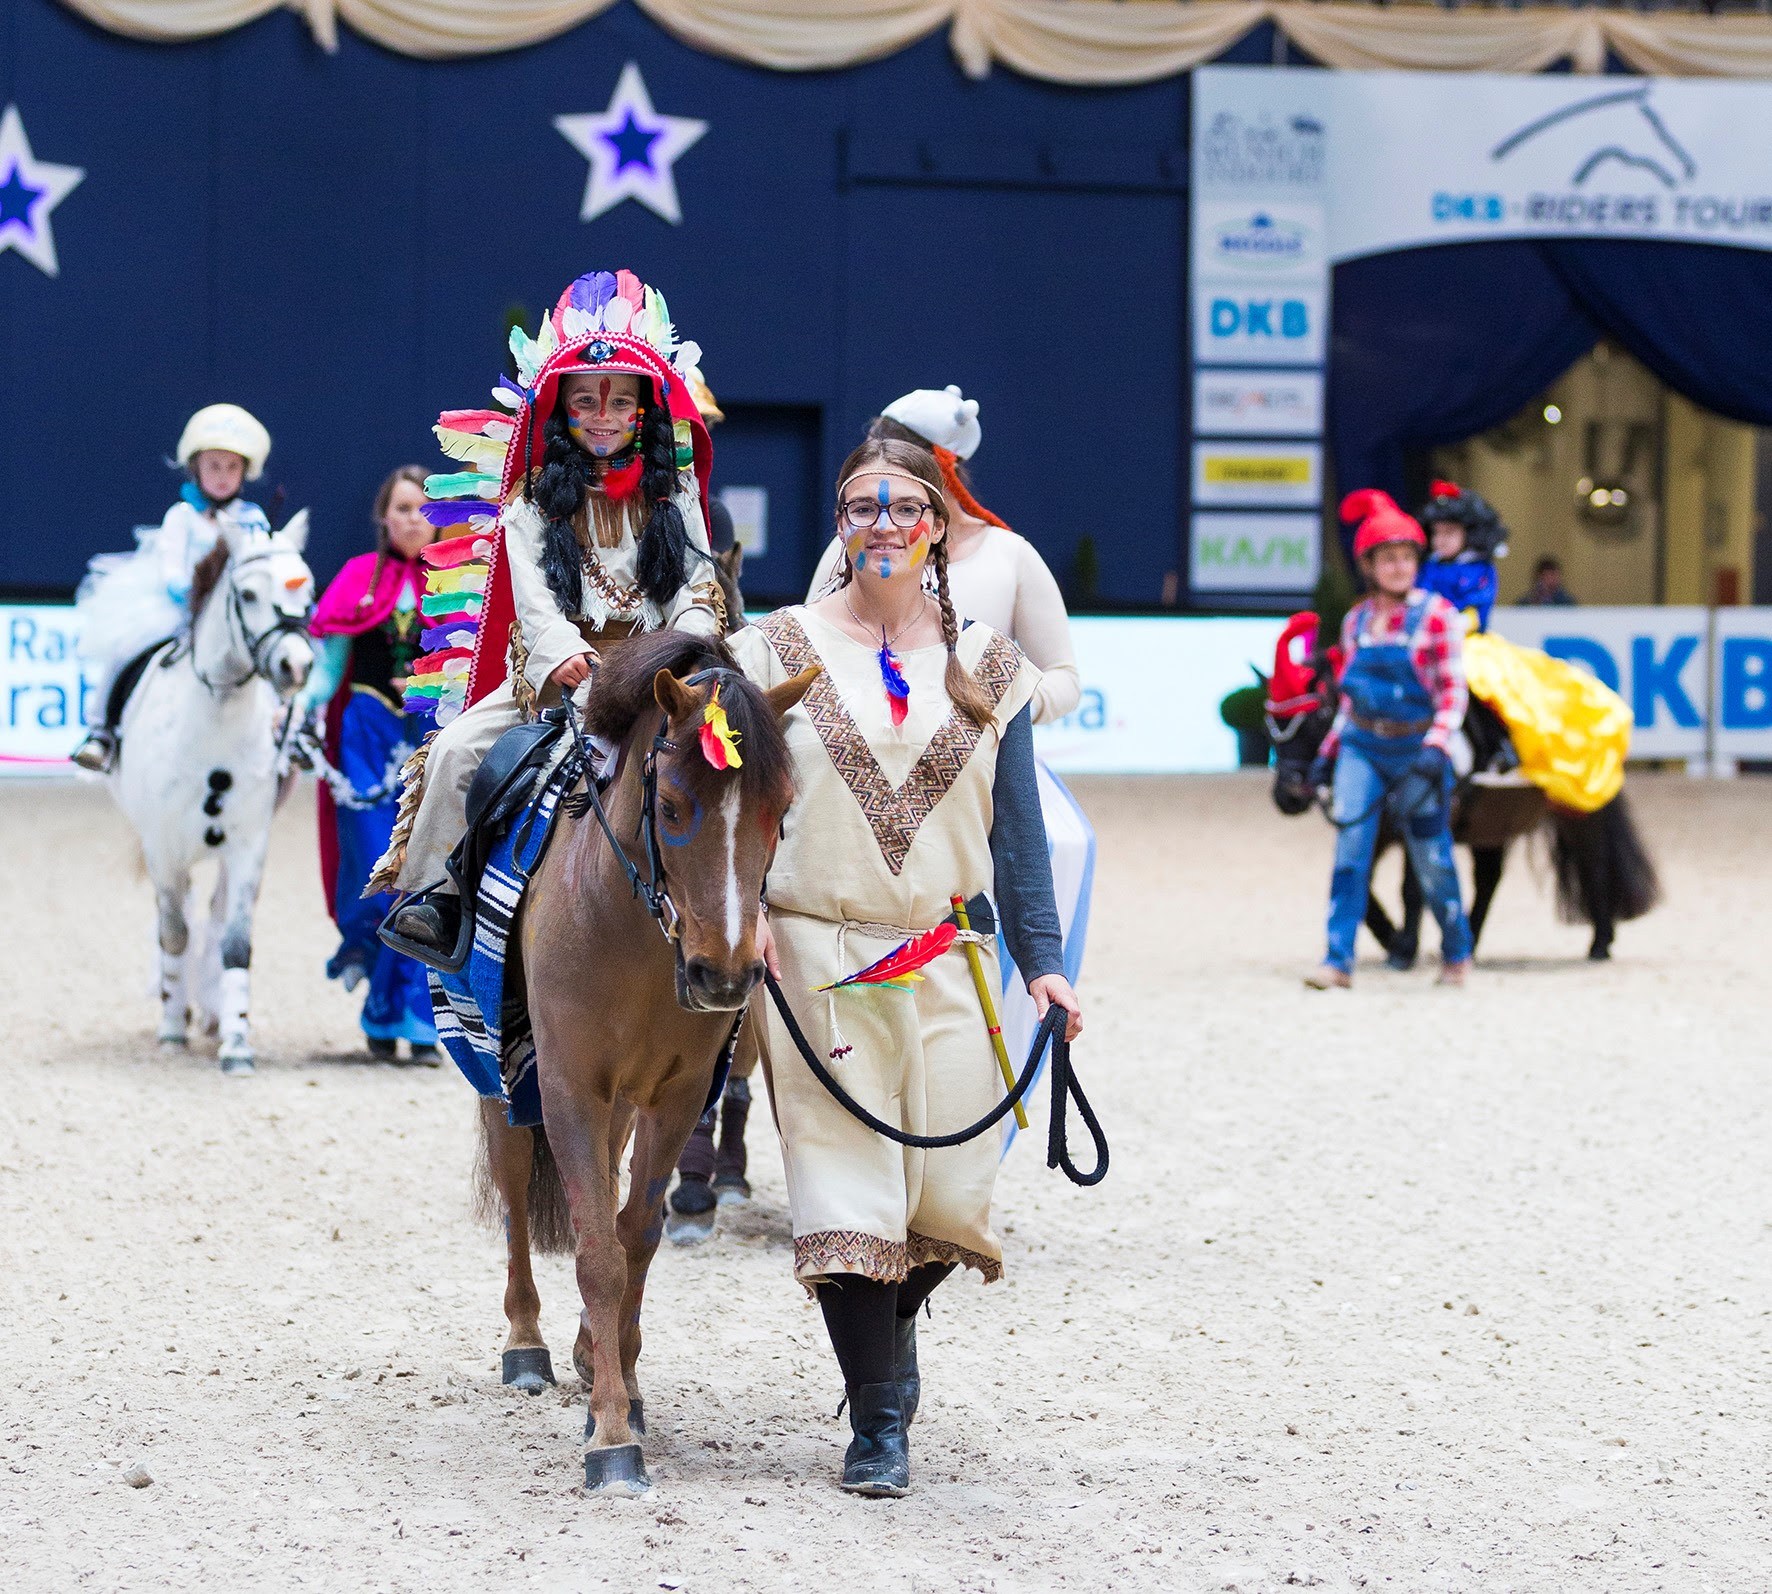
column 898, row 689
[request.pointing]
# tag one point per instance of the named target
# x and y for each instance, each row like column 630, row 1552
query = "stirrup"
column 445, row 962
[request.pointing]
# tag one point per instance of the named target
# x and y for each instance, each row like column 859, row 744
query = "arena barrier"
column 1698, row 680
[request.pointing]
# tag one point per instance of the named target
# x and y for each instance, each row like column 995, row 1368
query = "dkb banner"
column 1294, row 171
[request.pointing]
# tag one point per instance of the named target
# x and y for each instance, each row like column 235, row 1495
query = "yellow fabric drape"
column 1571, row 732
column 1091, row 42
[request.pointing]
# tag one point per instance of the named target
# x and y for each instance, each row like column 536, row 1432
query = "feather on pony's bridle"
column 240, row 635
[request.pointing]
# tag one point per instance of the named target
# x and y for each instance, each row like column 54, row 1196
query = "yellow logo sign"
column 1257, row 470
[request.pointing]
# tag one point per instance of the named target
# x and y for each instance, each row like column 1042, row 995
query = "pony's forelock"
column 623, row 692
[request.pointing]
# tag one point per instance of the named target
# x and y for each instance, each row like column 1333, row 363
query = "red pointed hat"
column 1381, row 521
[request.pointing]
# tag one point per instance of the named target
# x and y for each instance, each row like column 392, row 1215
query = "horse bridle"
column 651, row 888
column 255, row 647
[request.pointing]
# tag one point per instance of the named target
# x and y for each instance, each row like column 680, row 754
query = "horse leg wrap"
column 528, row 1368
column 730, row 1161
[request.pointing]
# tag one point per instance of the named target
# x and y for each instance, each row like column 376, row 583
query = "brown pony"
column 629, row 1022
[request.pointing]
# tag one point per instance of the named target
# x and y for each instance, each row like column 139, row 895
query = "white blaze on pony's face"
column 273, row 595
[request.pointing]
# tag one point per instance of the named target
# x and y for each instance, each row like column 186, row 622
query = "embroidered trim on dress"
column 894, row 815
column 622, row 602
column 850, row 1251
column 921, row 1248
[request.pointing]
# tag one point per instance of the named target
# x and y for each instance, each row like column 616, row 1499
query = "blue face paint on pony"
column 690, row 827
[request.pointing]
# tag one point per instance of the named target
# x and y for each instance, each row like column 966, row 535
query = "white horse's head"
column 271, row 594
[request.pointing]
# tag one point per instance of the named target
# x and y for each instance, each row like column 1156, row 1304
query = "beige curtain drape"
column 1091, row 42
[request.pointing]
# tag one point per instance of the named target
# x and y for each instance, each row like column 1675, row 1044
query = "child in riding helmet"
column 1403, row 698
column 1466, row 537
column 598, row 463
column 130, row 603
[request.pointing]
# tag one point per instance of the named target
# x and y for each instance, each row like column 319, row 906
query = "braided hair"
column 563, row 484
column 914, row 459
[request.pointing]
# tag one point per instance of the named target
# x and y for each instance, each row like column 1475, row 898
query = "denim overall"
column 1375, row 773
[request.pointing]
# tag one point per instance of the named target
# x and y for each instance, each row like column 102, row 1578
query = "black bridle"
column 652, row 888
column 256, row 648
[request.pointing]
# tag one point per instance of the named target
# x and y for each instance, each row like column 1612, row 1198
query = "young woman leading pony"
column 914, row 771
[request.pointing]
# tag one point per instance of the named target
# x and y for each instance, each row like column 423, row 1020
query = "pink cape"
column 349, row 608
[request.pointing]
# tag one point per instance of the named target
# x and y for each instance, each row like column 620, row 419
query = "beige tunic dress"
column 889, row 823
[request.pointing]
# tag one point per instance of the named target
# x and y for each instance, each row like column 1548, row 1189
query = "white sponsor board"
column 749, row 508
column 1255, row 322
column 1235, row 240
column 1396, row 160
column 1258, row 403
column 1151, row 690
column 1269, row 474
column 1254, row 553
column 43, row 697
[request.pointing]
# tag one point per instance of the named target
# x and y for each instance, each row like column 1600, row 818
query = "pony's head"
column 1302, row 698
column 723, row 781
column 271, row 593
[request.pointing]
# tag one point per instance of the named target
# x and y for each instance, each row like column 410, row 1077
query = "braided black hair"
column 664, row 539
column 559, row 490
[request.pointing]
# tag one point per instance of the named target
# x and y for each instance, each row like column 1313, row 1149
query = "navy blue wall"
column 333, row 241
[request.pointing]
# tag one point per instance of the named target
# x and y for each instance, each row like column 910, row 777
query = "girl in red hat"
column 1403, row 698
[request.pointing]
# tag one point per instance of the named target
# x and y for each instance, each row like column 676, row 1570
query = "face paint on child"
column 602, row 413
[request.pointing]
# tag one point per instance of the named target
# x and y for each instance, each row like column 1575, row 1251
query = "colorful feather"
column 719, row 742
column 899, row 967
column 461, row 484
column 898, row 689
column 482, row 453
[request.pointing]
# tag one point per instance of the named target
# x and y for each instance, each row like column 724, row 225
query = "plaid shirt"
column 1436, row 650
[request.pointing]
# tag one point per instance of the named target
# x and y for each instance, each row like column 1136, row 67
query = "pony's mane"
column 624, row 692
column 206, row 576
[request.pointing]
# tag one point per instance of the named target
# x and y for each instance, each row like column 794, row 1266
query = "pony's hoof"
column 529, row 1368
column 621, row 1469
column 1402, row 962
column 690, row 1228
column 1600, row 954
column 173, row 1041
column 238, row 1065
column 731, row 1189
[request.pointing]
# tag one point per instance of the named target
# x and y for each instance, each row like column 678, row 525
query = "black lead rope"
column 1065, row 1090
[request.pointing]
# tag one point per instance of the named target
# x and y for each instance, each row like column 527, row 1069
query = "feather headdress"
column 605, row 321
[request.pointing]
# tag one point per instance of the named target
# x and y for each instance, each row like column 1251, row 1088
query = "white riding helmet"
column 230, row 427
column 945, row 419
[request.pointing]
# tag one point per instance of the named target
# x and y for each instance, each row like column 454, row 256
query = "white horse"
column 197, row 771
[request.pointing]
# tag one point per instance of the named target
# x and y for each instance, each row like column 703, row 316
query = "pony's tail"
column 550, row 1219
column 1602, row 855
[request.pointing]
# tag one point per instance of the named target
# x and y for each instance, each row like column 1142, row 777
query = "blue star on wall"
column 633, row 143
column 29, row 191
column 632, row 150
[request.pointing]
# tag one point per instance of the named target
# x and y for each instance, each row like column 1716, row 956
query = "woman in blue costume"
column 368, row 626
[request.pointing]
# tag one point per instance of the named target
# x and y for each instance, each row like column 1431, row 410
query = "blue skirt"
column 398, row 1006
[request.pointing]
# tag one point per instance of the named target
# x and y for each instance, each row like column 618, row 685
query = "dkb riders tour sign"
column 1294, row 171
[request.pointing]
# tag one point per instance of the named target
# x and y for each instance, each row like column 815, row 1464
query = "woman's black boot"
column 904, row 1367
column 862, row 1318
column 878, row 1460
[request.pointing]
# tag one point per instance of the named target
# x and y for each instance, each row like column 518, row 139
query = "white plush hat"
column 946, row 419
column 230, row 427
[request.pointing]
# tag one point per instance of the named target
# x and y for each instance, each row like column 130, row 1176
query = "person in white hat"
column 130, row 603
column 998, row 577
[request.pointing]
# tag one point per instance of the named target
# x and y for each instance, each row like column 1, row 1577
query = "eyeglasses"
column 863, row 514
